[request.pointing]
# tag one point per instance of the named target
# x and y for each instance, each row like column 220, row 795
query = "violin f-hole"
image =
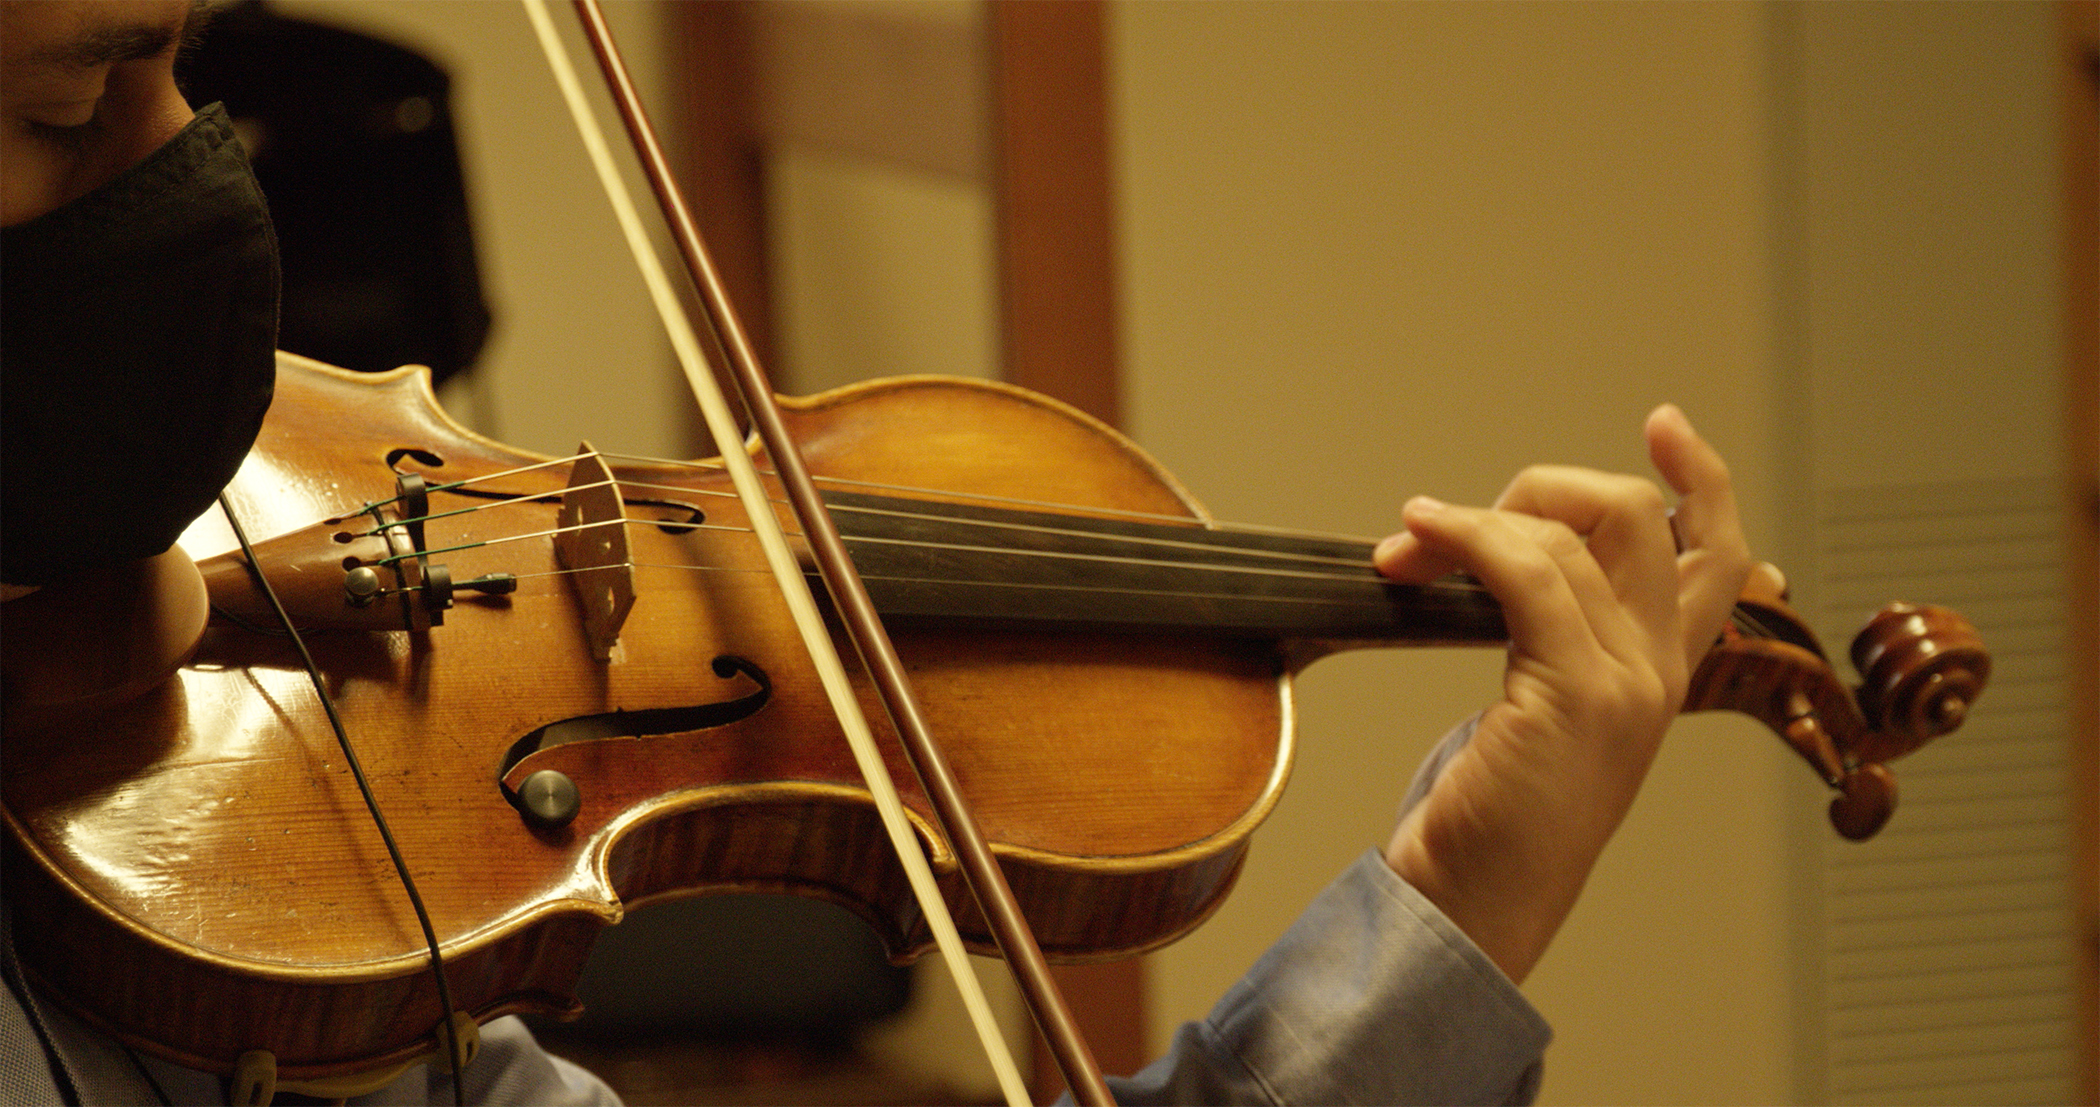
column 551, row 804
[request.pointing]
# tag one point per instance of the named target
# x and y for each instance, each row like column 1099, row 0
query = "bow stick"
column 849, row 597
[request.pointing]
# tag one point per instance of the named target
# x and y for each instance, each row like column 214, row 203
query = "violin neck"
column 1001, row 568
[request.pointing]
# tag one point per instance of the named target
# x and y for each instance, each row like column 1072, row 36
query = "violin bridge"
column 592, row 547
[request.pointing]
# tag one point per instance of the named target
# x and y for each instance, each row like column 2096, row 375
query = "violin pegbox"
column 591, row 546
column 1923, row 667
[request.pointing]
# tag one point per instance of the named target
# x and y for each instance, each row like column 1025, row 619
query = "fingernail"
column 1425, row 506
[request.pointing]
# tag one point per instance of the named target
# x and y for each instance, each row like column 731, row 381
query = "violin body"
column 191, row 866
column 196, row 872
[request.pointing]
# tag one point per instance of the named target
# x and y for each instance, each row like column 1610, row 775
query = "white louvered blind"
column 1947, row 939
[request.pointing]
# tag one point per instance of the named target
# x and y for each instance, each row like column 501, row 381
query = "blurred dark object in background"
column 738, row 968
column 352, row 140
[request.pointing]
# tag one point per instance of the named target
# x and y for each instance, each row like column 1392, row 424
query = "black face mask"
column 138, row 326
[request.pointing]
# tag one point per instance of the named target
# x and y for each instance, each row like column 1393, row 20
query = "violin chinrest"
column 76, row 649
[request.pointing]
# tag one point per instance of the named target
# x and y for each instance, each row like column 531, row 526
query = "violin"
column 575, row 692
column 1110, row 669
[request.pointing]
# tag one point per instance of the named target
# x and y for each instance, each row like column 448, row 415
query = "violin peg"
column 1804, row 731
column 1865, row 800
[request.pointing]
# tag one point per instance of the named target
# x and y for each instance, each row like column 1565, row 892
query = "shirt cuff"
column 1372, row 996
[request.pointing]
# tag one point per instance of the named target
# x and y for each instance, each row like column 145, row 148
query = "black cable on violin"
column 357, row 772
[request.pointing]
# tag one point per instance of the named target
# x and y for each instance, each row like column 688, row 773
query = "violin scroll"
column 1921, row 667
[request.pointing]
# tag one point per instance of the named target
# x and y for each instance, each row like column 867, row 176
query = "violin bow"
column 850, row 598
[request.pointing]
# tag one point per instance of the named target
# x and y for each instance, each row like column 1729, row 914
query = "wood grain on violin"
column 207, row 844
column 1111, row 678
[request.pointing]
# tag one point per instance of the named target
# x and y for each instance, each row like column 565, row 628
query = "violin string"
column 1064, row 555
column 1750, row 624
column 1448, row 586
column 987, row 499
column 531, row 468
column 1125, row 559
column 994, row 500
column 372, row 507
column 1080, row 532
column 669, row 566
column 429, row 517
column 1364, row 567
column 1098, row 589
column 1193, row 526
column 1739, row 617
column 486, row 542
column 512, row 499
column 897, row 512
column 1743, row 620
column 1130, row 592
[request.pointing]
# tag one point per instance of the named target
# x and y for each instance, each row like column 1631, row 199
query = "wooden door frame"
column 2081, row 230
column 1020, row 105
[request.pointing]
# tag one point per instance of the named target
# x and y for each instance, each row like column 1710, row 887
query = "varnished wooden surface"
column 78, row 647
column 206, row 841
column 213, row 840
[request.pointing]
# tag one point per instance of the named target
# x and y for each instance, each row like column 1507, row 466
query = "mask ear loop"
column 448, row 1032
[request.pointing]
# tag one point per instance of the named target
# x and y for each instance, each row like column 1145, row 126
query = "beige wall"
column 1371, row 249
column 1375, row 249
column 567, row 302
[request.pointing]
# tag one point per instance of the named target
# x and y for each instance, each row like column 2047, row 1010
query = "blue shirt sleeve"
column 512, row 1068
column 1372, row 996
